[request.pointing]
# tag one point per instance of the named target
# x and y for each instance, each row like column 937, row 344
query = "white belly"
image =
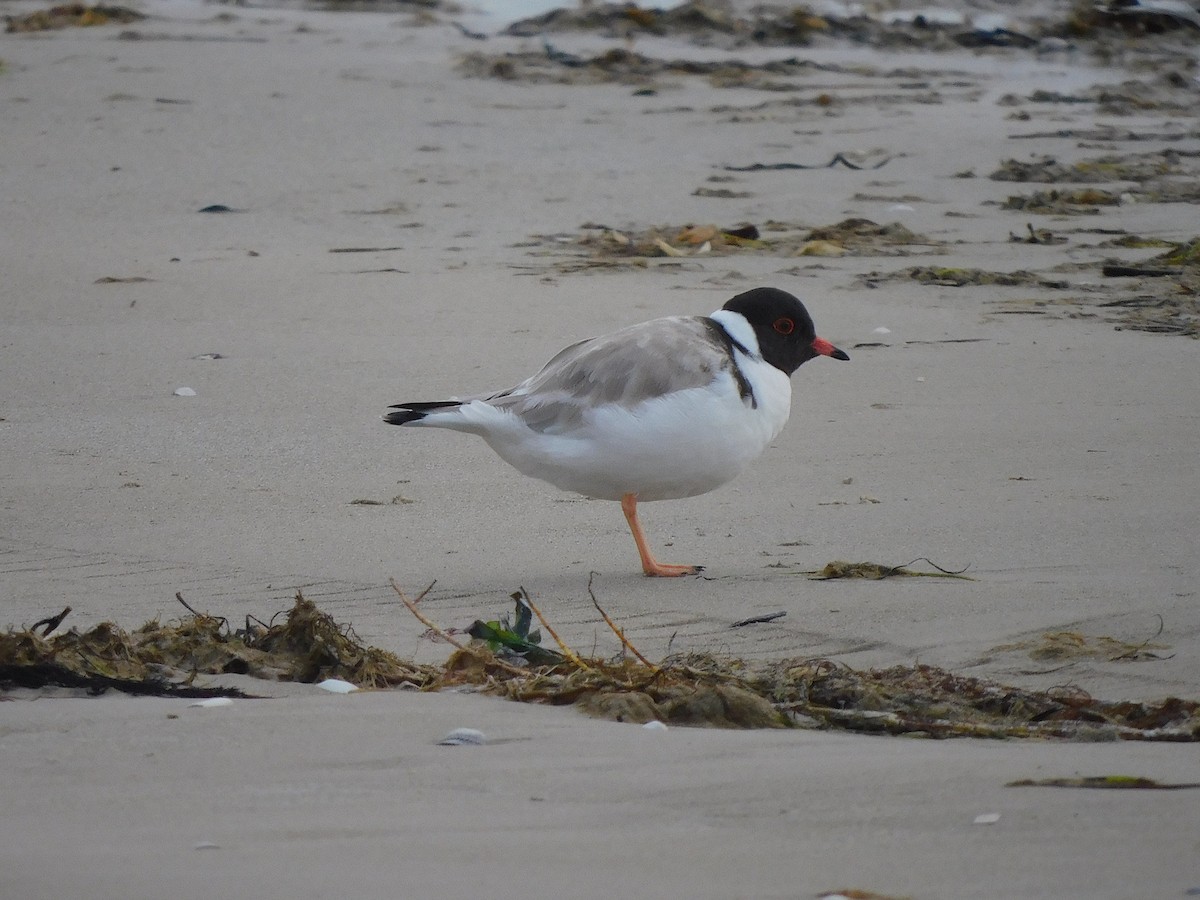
column 680, row 445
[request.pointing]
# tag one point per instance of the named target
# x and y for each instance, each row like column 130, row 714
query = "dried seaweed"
column 684, row 689
column 704, row 689
column 1170, row 92
column 1186, row 253
column 608, row 246
column 1085, row 201
column 708, row 23
column 622, row 66
column 1139, row 167
column 917, row 700
column 1166, row 299
column 1055, row 646
column 1166, row 176
column 306, row 646
column 952, row 276
column 1158, row 314
column 876, row 572
column 71, row 15
column 1160, row 295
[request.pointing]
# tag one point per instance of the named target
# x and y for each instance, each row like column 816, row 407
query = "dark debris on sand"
column 601, row 247
column 716, row 23
column 692, row 689
column 71, row 15
column 166, row 658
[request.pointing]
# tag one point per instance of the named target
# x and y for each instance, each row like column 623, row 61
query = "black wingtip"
column 403, row 416
column 415, row 412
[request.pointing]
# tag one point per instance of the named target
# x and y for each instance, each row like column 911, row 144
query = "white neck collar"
column 738, row 328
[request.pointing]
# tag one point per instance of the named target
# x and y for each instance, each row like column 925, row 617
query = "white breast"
column 680, row 445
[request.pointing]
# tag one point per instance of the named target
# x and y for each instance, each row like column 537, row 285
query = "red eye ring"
column 784, row 325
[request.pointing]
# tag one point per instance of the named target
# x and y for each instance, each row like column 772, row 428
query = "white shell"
column 337, row 686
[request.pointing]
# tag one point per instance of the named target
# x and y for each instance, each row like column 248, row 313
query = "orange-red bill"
column 824, row 348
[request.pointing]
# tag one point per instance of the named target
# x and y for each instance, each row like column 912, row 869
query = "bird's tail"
column 407, row 413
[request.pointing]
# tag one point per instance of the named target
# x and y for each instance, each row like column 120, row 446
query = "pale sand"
column 243, row 493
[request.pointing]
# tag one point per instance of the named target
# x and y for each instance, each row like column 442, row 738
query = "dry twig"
column 617, row 631
column 570, row 654
column 446, row 636
column 50, row 623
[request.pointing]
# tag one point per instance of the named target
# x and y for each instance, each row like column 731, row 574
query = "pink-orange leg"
column 649, row 564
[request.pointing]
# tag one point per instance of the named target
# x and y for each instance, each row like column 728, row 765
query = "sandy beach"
column 191, row 403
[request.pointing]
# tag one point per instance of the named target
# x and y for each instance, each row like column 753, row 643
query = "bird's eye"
column 784, row 325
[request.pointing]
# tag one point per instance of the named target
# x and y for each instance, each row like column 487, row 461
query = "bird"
column 669, row 408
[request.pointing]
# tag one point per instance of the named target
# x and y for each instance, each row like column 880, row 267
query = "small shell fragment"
column 986, row 819
column 337, row 686
column 655, row 725
column 184, row 392
column 461, row 736
column 667, row 249
column 212, row 701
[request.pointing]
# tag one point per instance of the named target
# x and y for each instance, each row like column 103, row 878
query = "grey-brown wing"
column 626, row 368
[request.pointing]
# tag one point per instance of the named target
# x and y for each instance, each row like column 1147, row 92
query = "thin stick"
column 566, row 651
column 758, row 620
column 426, row 621
column 49, row 624
column 440, row 632
column 617, row 631
column 179, row 597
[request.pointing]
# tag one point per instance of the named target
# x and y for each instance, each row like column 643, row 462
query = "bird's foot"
column 650, row 565
column 667, row 570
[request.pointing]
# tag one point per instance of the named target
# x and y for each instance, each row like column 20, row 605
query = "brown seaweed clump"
column 953, row 276
column 166, row 658
column 921, row 701
column 70, row 15
column 704, row 689
column 620, row 65
column 719, row 23
column 1161, row 295
column 607, row 247
column 692, row 689
column 1139, row 167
